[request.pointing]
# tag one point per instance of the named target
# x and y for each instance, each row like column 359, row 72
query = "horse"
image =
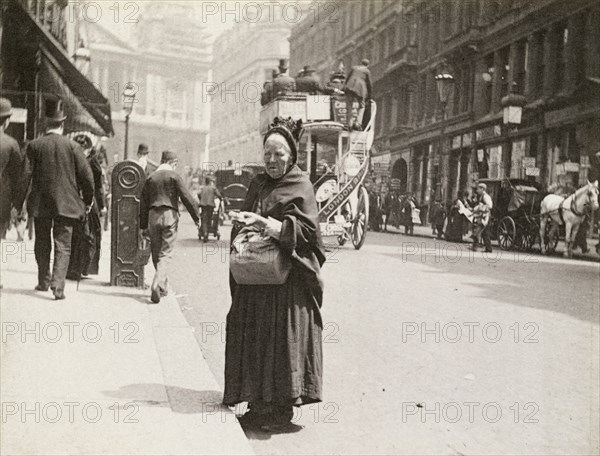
column 570, row 211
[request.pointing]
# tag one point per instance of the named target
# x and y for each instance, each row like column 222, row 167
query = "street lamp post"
column 128, row 100
column 444, row 83
column 512, row 110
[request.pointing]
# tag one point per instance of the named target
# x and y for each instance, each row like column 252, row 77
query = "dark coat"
column 359, row 82
column 60, row 175
column 283, row 83
column 309, row 83
column 11, row 162
column 165, row 188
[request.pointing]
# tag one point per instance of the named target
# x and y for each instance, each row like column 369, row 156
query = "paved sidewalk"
column 103, row 372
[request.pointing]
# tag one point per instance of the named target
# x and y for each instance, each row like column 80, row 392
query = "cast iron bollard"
column 129, row 255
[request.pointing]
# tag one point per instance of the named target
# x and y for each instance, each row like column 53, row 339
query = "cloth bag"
column 256, row 259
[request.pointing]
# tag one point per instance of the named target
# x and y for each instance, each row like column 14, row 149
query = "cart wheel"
column 359, row 225
column 551, row 243
column 506, row 233
column 341, row 239
column 525, row 240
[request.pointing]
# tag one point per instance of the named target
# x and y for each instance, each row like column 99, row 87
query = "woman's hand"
column 250, row 218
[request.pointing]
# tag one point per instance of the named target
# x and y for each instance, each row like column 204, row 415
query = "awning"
column 86, row 107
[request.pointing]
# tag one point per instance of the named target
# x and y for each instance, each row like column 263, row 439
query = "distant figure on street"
column 358, row 88
column 159, row 217
column 481, row 218
column 458, row 219
column 60, row 173
column 408, row 209
column 142, row 159
column 206, row 196
column 87, row 235
column 283, row 83
column 10, row 169
column 439, row 218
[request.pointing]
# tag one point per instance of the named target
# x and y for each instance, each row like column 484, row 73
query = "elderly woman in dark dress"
column 273, row 353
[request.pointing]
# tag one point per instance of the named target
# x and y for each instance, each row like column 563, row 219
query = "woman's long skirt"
column 273, row 350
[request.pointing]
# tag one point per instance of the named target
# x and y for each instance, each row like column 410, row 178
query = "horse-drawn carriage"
column 336, row 159
column 521, row 211
column 514, row 220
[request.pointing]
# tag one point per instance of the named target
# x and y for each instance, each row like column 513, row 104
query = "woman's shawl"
column 291, row 200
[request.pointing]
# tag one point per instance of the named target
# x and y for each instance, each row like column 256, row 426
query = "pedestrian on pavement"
column 388, row 203
column 87, row 235
column 408, row 209
column 143, row 160
column 458, row 219
column 159, row 217
column 10, row 169
column 358, row 88
column 439, row 218
column 481, row 218
column 273, row 352
column 206, row 196
column 60, row 177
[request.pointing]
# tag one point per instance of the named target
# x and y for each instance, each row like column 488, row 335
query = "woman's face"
column 277, row 156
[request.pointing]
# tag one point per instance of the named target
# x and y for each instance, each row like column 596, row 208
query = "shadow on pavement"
column 180, row 400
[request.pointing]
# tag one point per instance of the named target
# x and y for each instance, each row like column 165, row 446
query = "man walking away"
column 159, row 217
column 10, row 169
column 358, row 87
column 207, row 194
column 481, row 218
column 59, row 171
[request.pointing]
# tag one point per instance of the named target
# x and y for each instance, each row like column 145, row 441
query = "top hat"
column 283, row 67
column 5, row 108
column 55, row 110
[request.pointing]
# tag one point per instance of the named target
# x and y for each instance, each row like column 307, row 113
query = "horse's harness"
column 572, row 208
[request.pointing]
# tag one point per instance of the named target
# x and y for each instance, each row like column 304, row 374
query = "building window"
column 521, row 64
column 539, row 66
column 562, row 39
column 382, row 39
column 488, row 82
column 504, row 70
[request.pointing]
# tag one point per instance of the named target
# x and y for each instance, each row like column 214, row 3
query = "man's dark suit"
column 358, row 87
column 61, row 177
column 10, row 176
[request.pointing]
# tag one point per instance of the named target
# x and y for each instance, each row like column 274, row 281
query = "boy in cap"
column 159, row 216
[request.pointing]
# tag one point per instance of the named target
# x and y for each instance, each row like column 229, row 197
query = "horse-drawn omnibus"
column 336, row 159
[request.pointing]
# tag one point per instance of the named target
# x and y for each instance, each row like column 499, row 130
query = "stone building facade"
column 244, row 58
column 546, row 50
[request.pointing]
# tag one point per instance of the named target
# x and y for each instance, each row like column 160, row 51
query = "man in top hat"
column 10, row 167
column 358, row 88
column 142, row 158
column 283, row 83
column 159, row 217
column 59, row 173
